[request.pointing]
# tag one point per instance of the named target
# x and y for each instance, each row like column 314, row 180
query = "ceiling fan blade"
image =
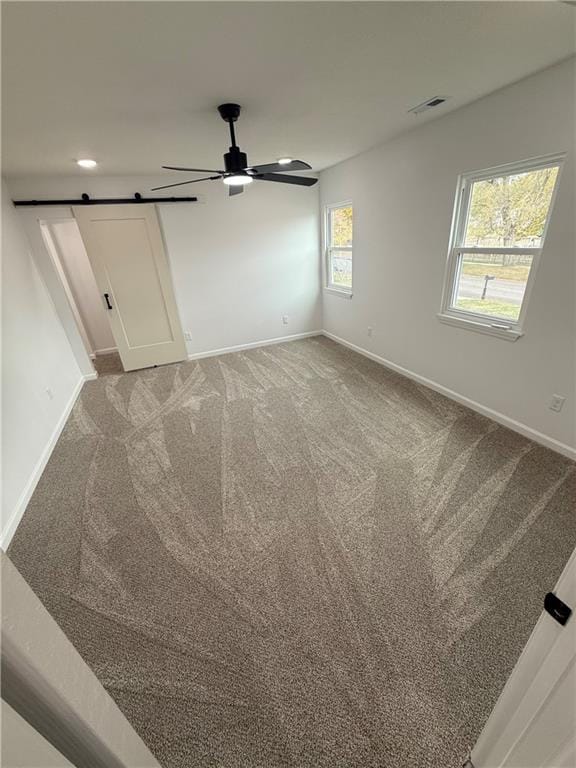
column 193, row 170
column 295, row 165
column 235, row 189
column 180, row 183
column 301, row 181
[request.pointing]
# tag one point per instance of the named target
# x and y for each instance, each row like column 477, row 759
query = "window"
column 338, row 239
column 497, row 237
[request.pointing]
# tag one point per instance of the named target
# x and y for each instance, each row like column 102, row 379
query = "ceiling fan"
column 237, row 172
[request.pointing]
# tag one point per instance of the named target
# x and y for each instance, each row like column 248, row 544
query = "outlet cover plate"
column 556, row 403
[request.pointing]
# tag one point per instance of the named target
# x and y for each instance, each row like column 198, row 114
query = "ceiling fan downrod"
column 235, row 161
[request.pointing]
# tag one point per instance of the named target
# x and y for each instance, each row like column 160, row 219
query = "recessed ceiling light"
column 284, row 160
column 86, row 163
column 237, row 180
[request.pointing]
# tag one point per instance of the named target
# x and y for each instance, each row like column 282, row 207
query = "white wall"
column 403, row 194
column 238, row 264
column 80, row 277
column 36, row 357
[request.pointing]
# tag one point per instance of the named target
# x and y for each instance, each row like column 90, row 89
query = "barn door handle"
column 107, row 297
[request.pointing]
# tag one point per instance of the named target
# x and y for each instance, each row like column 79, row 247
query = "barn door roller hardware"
column 87, row 200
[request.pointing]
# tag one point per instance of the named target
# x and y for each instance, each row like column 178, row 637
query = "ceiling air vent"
column 435, row 101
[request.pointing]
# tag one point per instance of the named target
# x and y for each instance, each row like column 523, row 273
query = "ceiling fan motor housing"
column 235, row 160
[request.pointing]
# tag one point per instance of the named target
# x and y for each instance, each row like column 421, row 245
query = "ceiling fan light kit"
column 238, row 179
column 237, row 173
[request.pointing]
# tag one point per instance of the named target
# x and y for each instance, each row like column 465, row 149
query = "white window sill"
column 344, row 294
column 501, row 332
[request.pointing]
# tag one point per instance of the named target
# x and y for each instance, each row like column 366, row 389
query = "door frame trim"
column 43, row 707
column 31, row 219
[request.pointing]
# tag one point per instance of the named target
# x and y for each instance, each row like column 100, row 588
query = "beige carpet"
column 294, row 557
column 108, row 364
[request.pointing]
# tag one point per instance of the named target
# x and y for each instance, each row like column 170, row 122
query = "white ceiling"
column 135, row 84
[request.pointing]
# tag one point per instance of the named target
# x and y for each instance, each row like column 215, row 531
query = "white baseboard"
column 506, row 421
column 26, row 495
column 253, row 345
column 104, row 351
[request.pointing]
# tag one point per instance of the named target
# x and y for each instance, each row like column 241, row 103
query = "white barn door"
column 533, row 724
column 126, row 251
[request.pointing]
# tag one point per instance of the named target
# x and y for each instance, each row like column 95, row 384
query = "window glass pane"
column 492, row 284
column 510, row 211
column 341, row 268
column 341, row 226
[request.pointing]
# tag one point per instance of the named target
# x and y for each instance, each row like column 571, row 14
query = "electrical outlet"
column 188, row 336
column 370, row 331
column 284, row 319
column 556, row 403
column 49, row 393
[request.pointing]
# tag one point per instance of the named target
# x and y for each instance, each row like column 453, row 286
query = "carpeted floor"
column 108, row 364
column 295, row 557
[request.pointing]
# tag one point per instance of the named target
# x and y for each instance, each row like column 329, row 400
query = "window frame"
column 507, row 329
column 328, row 249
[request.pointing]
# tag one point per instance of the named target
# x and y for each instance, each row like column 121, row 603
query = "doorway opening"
column 66, row 248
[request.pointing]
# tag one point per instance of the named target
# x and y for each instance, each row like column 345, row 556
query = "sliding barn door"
column 126, row 251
